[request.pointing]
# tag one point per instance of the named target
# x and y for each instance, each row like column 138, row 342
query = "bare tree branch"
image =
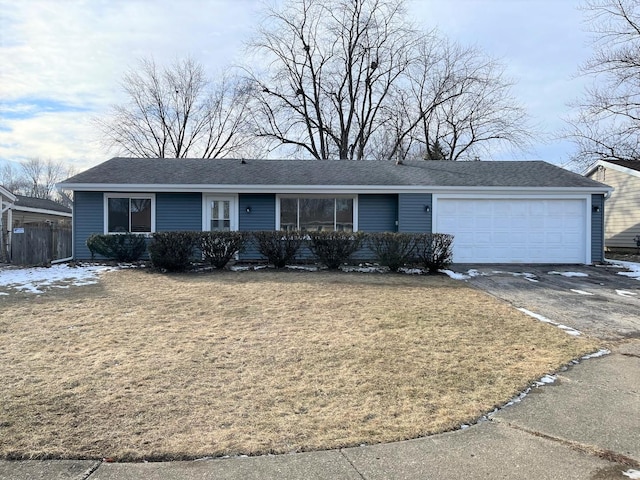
column 606, row 124
column 177, row 112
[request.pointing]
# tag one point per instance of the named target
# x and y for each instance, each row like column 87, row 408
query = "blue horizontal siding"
column 261, row 217
column 413, row 216
column 88, row 219
column 377, row 213
column 597, row 228
column 178, row 212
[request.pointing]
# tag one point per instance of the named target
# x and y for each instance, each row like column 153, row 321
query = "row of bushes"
column 175, row 251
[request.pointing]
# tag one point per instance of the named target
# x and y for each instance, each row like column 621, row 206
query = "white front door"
column 220, row 214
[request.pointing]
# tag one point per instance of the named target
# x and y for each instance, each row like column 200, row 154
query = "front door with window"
column 220, row 214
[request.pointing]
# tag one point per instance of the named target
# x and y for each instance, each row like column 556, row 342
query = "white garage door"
column 514, row 231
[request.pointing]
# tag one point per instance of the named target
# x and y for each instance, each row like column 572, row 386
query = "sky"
column 61, row 61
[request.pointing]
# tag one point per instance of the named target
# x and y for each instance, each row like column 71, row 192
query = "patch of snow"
column 363, row 269
column 306, row 268
column 412, row 271
column 536, row 316
column 3, row 293
column 568, row 330
column 625, row 293
column 600, row 353
column 454, row 275
column 244, row 268
column 33, row 280
column 474, row 273
column 634, row 268
column 526, row 275
column 581, row 292
column 569, row 274
column 546, row 380
column 631, row 473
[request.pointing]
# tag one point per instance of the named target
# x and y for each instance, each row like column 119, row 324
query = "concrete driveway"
column 596, row 300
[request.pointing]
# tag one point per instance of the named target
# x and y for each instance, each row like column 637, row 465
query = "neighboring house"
column 622, row 218
column 498, row 212
column 19, row 211
column 6, row 202
column 29, row 210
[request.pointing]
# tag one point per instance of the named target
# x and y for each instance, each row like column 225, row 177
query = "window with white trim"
column 125, row 213
column 317, row 213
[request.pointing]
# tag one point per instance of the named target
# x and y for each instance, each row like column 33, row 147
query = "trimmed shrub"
column 433, row 251
column 173, row 251
column 392, row 249
column 122, row 247
column 278, row 246
column 218, row 248
column 332, row 249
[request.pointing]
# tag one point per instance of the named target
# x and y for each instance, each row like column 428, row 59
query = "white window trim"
column 311, row 195
column 105, row 201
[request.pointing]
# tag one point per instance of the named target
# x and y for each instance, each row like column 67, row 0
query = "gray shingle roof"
column 154, row 171
column 40, row 203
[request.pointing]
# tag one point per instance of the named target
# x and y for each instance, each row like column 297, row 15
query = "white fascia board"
column 42, row 210
column 329, row 189
column 612, row 166
column 6, row 193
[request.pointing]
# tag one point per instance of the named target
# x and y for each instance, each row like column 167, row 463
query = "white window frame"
column 310, row 195
column 146, row 196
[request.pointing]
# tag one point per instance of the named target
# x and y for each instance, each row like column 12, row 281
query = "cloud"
column 62, row 62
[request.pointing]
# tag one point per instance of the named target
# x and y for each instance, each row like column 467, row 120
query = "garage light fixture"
column 596, row 208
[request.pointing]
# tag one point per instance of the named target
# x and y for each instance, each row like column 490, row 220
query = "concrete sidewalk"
column 584, row 426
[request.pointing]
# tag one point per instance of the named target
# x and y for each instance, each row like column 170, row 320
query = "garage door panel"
column 514, row 230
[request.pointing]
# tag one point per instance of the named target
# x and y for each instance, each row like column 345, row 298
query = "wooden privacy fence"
column 40, row 243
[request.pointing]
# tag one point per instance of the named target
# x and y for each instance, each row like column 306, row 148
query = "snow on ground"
column 634, row 268
column 568, row 330
column 633, row 474
column 454, row 275
column 626, row 293
column 38, row 279
column 569, row 274
column 581, row 292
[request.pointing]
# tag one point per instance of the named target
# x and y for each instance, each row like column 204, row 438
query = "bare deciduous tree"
column 331, row 67
column 177, row 112
column 607, row 122
column 351, row 79
column 36, row 178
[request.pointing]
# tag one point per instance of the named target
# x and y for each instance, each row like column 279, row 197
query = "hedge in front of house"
column 392, row 249
column 333, row 248
column 173, row 251
column 122, row 247
column 218, row 248
column 433, row 251
column 280, row 247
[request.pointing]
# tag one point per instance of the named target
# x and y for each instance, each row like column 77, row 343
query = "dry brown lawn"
column 150, row 366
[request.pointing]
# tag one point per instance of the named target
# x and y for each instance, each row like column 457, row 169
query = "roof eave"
column 169, row 188
column 612, row 166
column 45, row 211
